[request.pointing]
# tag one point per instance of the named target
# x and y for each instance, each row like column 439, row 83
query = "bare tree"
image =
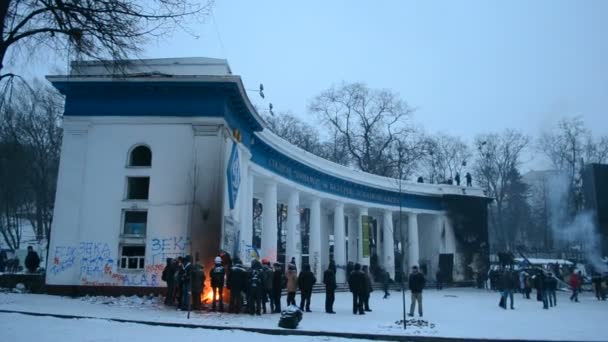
column 447, row 156
column 32, row 122
column 305, row 136
column 370, row 121
column 498, row 155
column 14, row 191
column 94, row 28
column 569, row 147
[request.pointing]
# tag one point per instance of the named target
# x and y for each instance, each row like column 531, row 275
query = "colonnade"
column 346, row 220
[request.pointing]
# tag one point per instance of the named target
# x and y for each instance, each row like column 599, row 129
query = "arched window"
column 140, row 156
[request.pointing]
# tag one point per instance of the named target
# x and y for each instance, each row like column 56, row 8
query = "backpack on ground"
column 290, row 317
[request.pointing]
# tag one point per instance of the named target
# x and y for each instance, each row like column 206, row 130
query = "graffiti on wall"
column 96, row 264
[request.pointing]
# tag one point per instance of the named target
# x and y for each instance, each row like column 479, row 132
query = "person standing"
column 186, row 283
column 256, row 288
column 386, row 279
column 350, row 267
column 198, row 284
column 551, row 287
column 306, row 281
column 168, row 276
column 217, row 278
column 32, row 260
column 267, row 282
column 368, row 288
column 3, row 260
column 292, row 284
column 457, row 178
column 237, row 282
column 542, row 289
column 329, row 279
column 416, row 285
column 575, row 284
column 278, row 283
column 469, row 179
column 356, row 284
column 439, row 278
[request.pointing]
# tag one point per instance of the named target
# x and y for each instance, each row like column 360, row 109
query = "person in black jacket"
column 278, row 283
column 329, row 279
column 32, row 260
column 416, row 285
column 386, row 279
column 550, row 288
column 186, row 282
column 255, row 288
column 357, row 285
column 198, row 284
column 3, row 260
column 168, row 276
column 306, row 280
column 350, row 267
column 217, row 278
column 237, row 282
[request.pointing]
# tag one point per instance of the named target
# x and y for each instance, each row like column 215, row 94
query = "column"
column 388, row 248
column 340, row 243
column 269, row 221
column 363, row 260
column 352, row 237
column 449, row 240
column 246, row 235
column 315, row 238
column 412, row 232
column 293, row 220
column 325, row 232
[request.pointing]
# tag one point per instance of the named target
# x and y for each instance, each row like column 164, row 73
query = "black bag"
column 290, row 317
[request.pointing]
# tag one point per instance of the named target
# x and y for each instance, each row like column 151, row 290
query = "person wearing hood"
column 198, row 284
column 168, row 276
column 186, row 282
column 217, row 278
column 329, row 279
column 255, row 288
column 292, row 284
column 306, row 280
column 237, row 283
column 357, row 286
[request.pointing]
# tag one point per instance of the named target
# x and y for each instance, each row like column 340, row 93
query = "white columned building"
column 169, row 159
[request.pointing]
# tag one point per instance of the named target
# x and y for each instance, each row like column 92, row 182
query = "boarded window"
column 137, row 188
column 135, row 222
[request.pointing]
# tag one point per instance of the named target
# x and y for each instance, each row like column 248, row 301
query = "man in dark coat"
column 255, row 288
column 198, row 284
column 357, row 286
column 278, row 283
column 3, row 260
column 329, row 279
column 267, row 282
column 416, row 285
column 168, row 276
column 306, row 280
column 457, row 179
column 386, row 279
column 550, row 288
column 368, row 288
column 237, row 282
column 469, row 179
column 350, row 267
column 32, row 260
column 186, row 283
column 217, row 276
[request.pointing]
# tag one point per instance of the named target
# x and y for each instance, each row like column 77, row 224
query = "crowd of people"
column 257, row 290
column 545, row 282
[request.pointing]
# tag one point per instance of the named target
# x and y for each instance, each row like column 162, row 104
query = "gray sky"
column 468, row 67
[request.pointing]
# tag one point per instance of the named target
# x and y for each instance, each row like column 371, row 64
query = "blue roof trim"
column 185, row 99
column 269, row 158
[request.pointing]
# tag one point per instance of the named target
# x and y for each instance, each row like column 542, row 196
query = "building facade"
column 163, row 158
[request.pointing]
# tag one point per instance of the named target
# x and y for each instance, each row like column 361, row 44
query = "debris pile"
column 418, row 323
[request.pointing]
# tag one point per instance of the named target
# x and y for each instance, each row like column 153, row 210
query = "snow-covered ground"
column 452, row 312
column 17, row 327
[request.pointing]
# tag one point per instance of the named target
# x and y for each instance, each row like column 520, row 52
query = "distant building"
column 595, row 190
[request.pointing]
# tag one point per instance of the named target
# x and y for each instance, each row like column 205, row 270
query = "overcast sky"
column 468, row 67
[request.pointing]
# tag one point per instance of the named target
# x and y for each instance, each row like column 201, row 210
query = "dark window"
column 140, row 156
column 133, row 257
column 138, row 188
column 135, row 222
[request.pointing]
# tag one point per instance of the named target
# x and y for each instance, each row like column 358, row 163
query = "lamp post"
column 400, row 151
